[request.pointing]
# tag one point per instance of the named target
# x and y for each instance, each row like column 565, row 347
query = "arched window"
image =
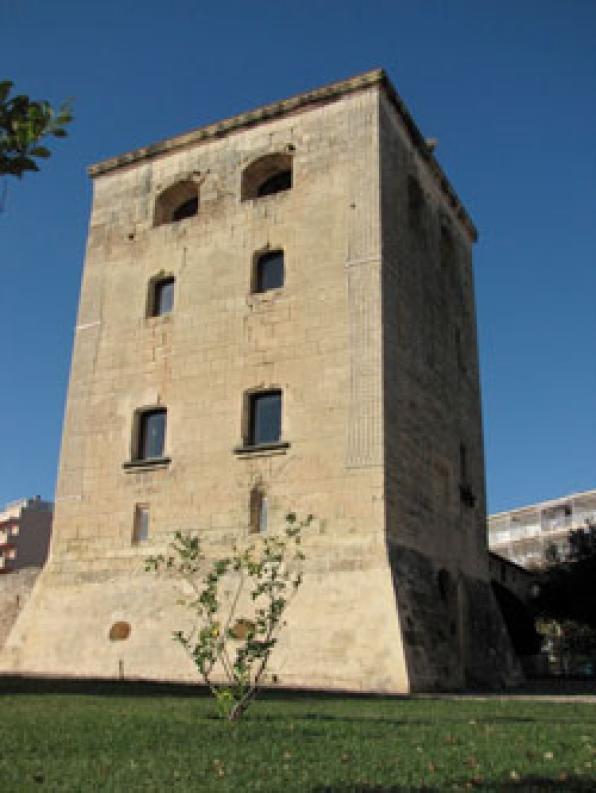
column 267, row 175
column 268, row 271
column 177, row 202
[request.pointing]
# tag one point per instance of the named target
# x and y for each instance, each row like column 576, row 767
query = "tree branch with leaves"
column 239, row 602
column 24, row 122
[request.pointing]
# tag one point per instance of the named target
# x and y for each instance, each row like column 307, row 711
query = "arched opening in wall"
column 267, row 175
column 177, row 202
column 259, row 511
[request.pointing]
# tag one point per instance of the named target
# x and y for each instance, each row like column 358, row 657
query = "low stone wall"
column 15, row 589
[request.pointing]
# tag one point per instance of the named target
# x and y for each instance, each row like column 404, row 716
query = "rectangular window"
column 163, row 297
column 152, row 434
column 463, row 464
column 264, row 418
column 259, row 511
column 141, row 524
column 269, row 271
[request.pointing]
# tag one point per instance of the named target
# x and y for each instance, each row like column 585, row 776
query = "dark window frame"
column 266, row 280
column 264, row 429
column 259, row 511
column 141, row 524
column 156, row 287
column 143, row 450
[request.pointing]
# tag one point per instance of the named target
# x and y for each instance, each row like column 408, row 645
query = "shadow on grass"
column 527, row 784
column 23, row 684
column 14, row 684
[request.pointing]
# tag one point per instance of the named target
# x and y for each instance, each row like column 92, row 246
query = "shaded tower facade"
column 277, row 314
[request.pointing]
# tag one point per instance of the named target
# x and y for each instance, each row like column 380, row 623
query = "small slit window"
column 444, row 584
column 141, row 524
column 463, row 463
column 178, row 202
column 266, row 176
column 269, row 272
column 264, row 419
column 259, row 509
column 161, row 296
column 151, row 434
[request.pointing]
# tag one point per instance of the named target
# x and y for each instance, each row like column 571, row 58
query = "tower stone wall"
column 371, row 343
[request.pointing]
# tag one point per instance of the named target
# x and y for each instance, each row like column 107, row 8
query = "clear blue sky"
column 509, row 89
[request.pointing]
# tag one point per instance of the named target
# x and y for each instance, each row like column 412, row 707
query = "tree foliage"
column 24, row 122
column 582, row 542
column 238, row 603
column 568, row 589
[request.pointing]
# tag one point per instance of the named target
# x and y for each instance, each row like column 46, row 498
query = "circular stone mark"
column 119, row 631
column 241, row 629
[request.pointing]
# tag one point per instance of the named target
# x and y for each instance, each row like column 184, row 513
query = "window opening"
column 259, row 511
column 162, row 301
column 264, row 418
column 152, row 434
column 186, row 210
column 463, row 463
column 466, row 494
column 275, row 184
column 177, row 202
column 443, row 583
column 267, row 175
column 141, row 523
column 269, row 271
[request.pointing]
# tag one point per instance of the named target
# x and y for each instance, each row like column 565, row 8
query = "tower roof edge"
column 300, row 102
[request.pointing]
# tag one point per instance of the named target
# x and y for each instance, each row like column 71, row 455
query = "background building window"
column 152, row 434
column 269, row 271
column 264, row 418
column 161, row 296
column 141, row 524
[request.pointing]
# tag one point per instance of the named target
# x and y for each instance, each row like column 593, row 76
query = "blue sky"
column 508, row 88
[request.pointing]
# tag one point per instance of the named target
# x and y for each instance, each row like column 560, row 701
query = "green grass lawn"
column 68, row 742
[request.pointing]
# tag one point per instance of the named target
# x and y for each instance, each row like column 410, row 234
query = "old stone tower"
column 277, row 313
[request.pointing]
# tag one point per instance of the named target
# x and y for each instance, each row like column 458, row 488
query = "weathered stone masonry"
column 370, row 341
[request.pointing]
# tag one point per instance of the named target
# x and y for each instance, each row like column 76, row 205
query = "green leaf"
column 40, row 151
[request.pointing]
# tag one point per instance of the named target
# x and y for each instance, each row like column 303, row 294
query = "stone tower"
column 277, row 313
